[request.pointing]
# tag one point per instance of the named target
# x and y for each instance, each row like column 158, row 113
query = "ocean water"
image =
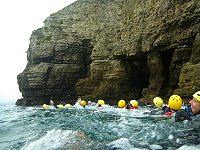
column 32, row 128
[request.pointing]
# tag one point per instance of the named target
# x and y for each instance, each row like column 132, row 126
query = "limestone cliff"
column 114, row 49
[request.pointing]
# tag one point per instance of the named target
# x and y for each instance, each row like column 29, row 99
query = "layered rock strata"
column 114, row 49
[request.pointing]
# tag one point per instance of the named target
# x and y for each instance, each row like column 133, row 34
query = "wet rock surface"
column 114, row 49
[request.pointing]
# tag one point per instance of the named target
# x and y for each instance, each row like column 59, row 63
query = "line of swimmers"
column 177, row 108
column 174, row 107
column 133, row 104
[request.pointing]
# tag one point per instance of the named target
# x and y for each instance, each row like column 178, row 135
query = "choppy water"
column 32, row 128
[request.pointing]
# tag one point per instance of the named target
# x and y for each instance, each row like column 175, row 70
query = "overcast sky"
column 18, row 19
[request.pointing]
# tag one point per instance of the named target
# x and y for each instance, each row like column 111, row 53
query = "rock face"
column 114, row 49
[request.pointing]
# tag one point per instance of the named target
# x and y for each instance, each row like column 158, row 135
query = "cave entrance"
column 138, row 74
column 166, row 58
column 86, row 57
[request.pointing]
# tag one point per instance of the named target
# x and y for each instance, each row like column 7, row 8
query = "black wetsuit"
column 185, row 114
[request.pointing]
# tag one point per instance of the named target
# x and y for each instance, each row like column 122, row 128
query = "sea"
column 91, row 128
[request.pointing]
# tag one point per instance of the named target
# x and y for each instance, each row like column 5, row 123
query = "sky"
column 18, row 19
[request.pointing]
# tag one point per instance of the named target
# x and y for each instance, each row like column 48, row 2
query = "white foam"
column 155, row 147
column 122, row 143
column 170, row 137
column 54, row 139
column 191, row 147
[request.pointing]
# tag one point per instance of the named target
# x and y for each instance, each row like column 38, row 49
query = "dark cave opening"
column 166, row 58
column 138, row 74
column 86, row 57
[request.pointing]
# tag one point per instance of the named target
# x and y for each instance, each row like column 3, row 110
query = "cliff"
column 114, row 49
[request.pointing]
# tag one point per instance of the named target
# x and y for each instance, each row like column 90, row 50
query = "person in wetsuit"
column 191, row 111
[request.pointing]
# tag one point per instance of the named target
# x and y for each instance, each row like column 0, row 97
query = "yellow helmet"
column 134, row 103
column 83, row 103
column 197, row 95
column 101, row 102
column 121, row 103
column 60, row 106
column 68, row 105
column 158, row 101
column 175, row 102
column 45, row 106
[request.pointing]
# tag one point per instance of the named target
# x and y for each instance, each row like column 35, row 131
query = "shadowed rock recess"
column 114, row 49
